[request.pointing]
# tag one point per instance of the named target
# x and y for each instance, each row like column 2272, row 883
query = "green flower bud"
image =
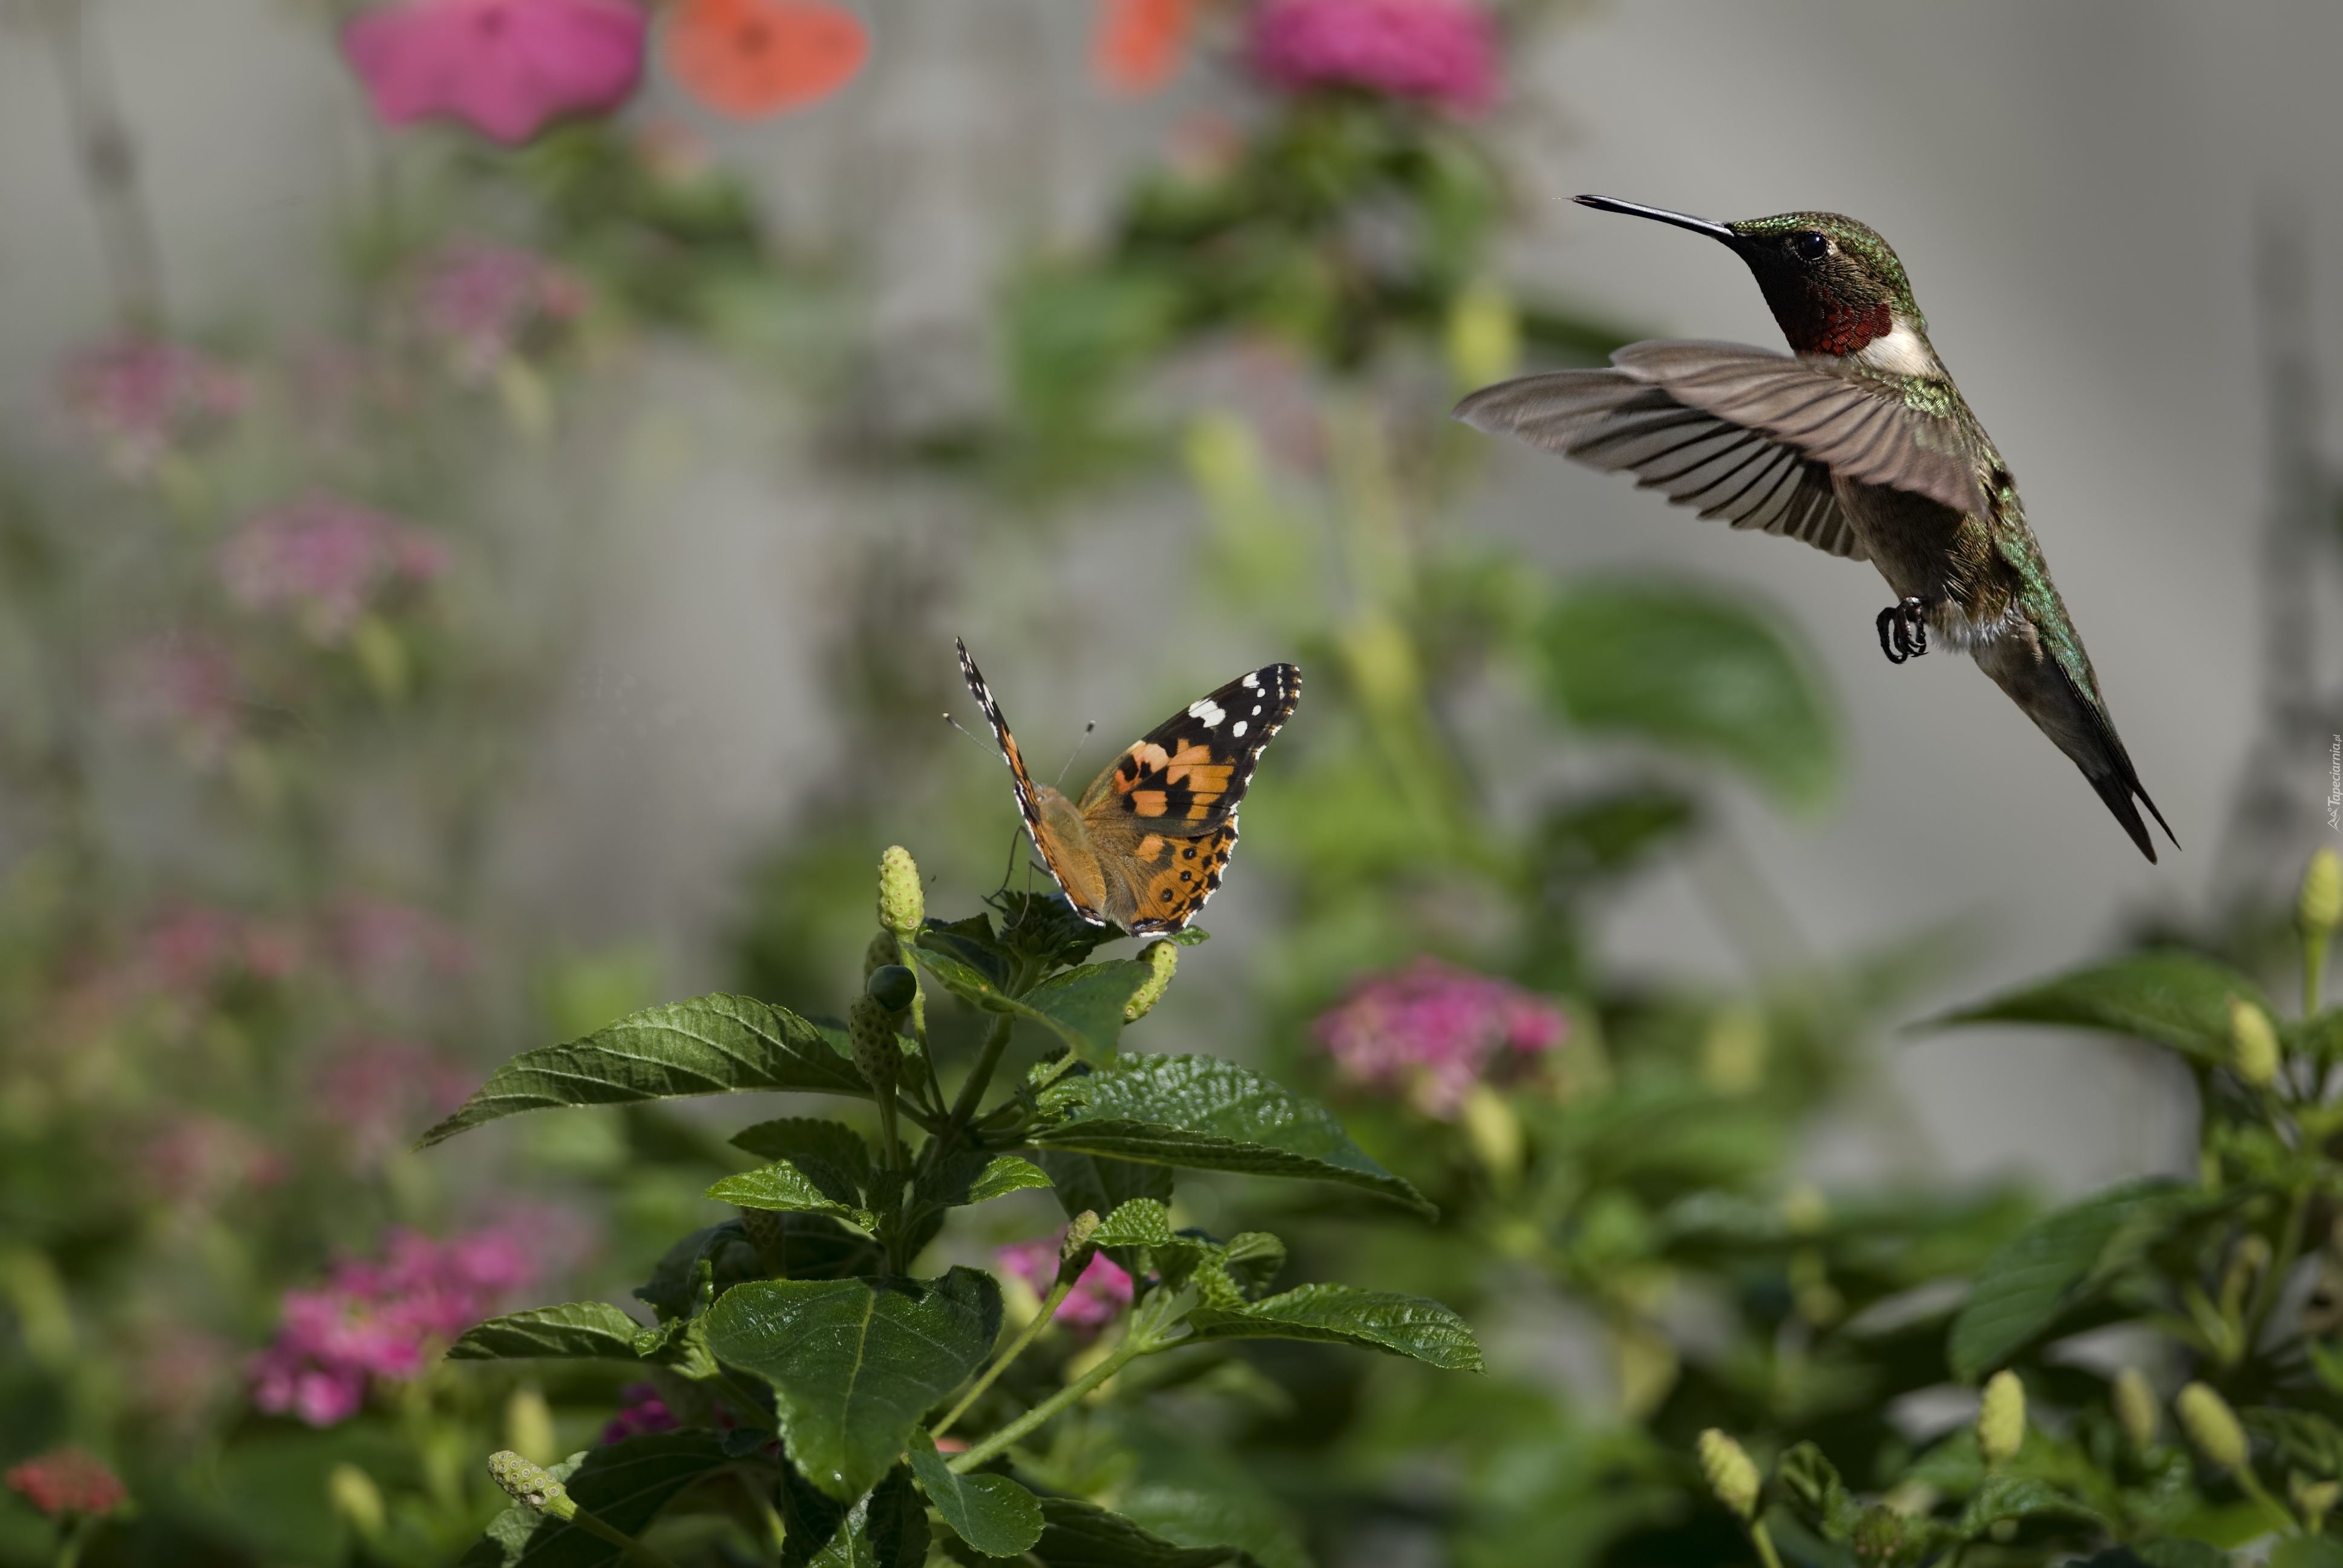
column 2001, row 1420
column 530, row 1483
column 892, row 986
column 2212, row 1426
column 1731, row 1475
column 2135, row 1407
column 870, row 1027
column 1074, row 1251
column 2314, row 1500
column 2253, row 1043
column 1160, row 959
column 883, row 950
column 902, row 905
column 356, row 1499
column 1732, row 1051
column 2320, row 908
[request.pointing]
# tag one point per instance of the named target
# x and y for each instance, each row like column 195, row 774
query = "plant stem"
column 627, row 1544
column 979, row 1077
column 1763, row 1539
column 2251, row 1484
column 2314, row 970
column 2290, row 1249
column 1058, row 1293
column 1124, row 1353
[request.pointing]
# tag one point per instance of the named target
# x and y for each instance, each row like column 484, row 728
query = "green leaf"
column 2053, row 1265
column 674, row 1281
column 975, row 1176
column 1077, row 1534
column 2004, row 1496
column 711, row 1045
column 783, row 1186
column 1086, row 1181
column 1698, row 671
column 2307, row 1551
column 809, row 1141
column 626, row 1482
column 990, row 1512
column 1337, row 1314
column 1081, row 1009
column 888, row 1529
column 856, row 1362
column 1811, row 1484
column 580, row 1329
column 1209, row 1114
column 2175, row 998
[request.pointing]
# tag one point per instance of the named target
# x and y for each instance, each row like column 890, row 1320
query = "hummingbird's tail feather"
column 2041, row 686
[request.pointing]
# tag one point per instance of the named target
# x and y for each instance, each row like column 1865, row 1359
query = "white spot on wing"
column 1206, row 709
column 1251, row 681
column 1238, row 728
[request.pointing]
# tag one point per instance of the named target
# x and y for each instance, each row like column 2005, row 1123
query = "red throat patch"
column 1826, row 326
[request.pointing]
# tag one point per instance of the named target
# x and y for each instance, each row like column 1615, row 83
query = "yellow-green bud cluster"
column 2001, row 1420
column 530, row 1483
column 1730, row 1472
column 902, row 905
column 2320, row 908
column 1160, row 959
column 2212, row 1426
column 2253, row 1043
column 883, row 950
column 2136, row 1408
column 871, row 1029
column 1073, row 1253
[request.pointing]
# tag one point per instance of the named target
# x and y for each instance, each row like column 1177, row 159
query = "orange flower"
column 1138, row 43
column 750, row 58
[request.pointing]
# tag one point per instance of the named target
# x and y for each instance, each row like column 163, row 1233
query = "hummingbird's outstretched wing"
column 1740, row 433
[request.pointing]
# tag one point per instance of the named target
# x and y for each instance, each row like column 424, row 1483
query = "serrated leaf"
column 856, row 1362
column 2178, row 999
column 1077, row 1534
column 1087, row 1182
column 990, row 1512
column 626, row 1482
column 2050, row 1267
column 1210, row 1114
column 1696, row 671
column 711, row 1045
column 810, row 1141
column 2014, row 1497
column 1811, row 1484
column 1337, row 1314
column 1080, row 1009
column 673, row 1282
column 595, row 1330
column 974, row 1176
column 784, row 1187
column 888, row 1529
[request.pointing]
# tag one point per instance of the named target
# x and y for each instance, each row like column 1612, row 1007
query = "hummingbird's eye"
column 1809, row 246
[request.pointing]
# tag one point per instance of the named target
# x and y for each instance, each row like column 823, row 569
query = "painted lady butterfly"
column 1145, row 845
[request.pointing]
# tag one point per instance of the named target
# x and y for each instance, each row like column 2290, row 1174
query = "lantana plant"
column 868, row 1409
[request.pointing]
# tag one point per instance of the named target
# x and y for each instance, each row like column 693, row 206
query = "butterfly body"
column 1147, row 841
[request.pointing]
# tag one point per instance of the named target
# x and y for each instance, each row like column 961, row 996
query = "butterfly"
column 1146, row 844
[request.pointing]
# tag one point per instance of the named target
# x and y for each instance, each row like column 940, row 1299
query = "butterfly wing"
column 1161, row 819
column 1067, row 861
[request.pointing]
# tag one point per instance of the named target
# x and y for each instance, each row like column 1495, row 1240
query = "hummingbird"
column 1858, row 443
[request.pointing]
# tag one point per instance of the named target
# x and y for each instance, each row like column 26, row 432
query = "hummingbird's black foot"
column 1904, row 630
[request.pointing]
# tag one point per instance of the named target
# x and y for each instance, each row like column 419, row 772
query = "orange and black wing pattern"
column 1162, row 819
column 1029, row 803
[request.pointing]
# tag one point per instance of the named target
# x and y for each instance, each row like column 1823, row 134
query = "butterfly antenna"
column 1086, row 740
column 964, row 731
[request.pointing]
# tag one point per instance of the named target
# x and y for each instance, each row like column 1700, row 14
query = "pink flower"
column 193, row 1161
column 140, row 399
column 324, row 558
column 384, row 943
column 1431, row 1030
column 384, row 1320
column 189, row 949
column 480, row 300
column 504, row 67
column 376, row 1093
column 187, row 684
column 1442, row 51
column 640, row 1410
column 67, row 1481
column 1098, row 1295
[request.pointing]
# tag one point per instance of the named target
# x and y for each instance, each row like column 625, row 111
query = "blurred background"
column 464, row 577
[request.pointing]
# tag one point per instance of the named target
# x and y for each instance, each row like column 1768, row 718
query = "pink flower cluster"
column 190, row 948
column 186, row 685
column 140, row 399
column 504, row 67
column 67, row 1481
column 478, row 301
column 1432, row 1031
column 324, row 558
column 1440, row 51
column 640, row 1411
column 382, row 941
column 384, row 1320
column 1098, row 1296
column 377, row 1094
column 192, row 1161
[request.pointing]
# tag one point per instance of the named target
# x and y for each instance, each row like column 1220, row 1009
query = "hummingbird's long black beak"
column 1638, row 209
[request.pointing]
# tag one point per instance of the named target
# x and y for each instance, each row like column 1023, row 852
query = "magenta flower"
column 478, row 301
column 504, row 67
column 140, row 400
column 324, row 558
column 386, row 1320
column 1432, row 1031
column 1440, row 51
column 640, row 1411
column 1098, row 1295
column 67, row 1481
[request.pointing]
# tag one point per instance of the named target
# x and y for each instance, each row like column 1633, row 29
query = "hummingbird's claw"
column 1903, row 630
